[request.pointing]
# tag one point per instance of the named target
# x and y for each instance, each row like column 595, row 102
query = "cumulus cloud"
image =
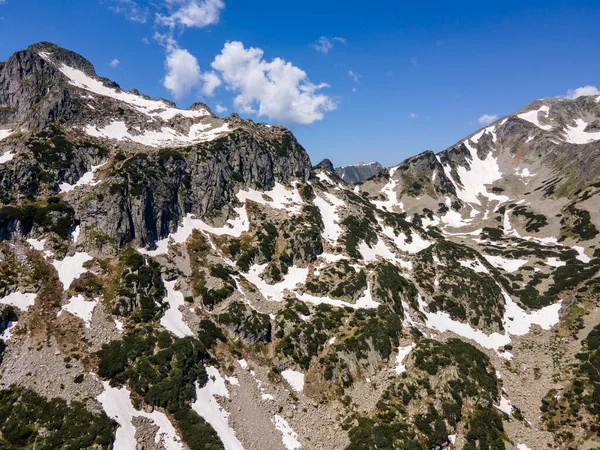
column 275, row 89
column 486, row 119
column 220, row 108
column 413, row 115
column 114, row 62
column 183, row 72
column 325, row 45
column 130, row 9
column 191, row 13
column 584, row 90
column 210, row 81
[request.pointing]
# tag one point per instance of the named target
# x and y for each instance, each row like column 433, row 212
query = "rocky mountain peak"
column 326, row 165
column 59, row 55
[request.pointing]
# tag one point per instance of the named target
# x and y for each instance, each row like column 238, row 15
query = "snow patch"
column 235, row 227
column 402, row 354
column 332, row 230
column 19, row 300
column 581, row 254
column 516, row 322
column 505, row 405
column 532, row 117
column 289, row 436
column 6, row 157
column 71, row 267
column 474, row 265
column 555, row 262
column 86, row 179
column 275, row 292
column 80, row 307
column 209, row 409
column 474, row 178
column 5, row 133
column 116, row 402
column 577, row 134
column 166, row 137
column 294, row 378
column 415, row 246
column 172, row 320
column 37, row 244
column 280, row 198
column 509, row 265
column 152, row 108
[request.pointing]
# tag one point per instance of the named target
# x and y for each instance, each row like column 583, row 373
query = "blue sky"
column 401, row 77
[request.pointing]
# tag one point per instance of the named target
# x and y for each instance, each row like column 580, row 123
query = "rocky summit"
column 171, row 279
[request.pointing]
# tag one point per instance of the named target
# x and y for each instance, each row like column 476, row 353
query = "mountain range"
column 171, row 279
column 355, row 173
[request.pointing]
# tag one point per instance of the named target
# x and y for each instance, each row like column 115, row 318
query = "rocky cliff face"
column 152, row 173
column 181, row 280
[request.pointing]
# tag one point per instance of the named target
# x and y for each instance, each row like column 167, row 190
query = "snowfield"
column 86, row 179
column 209, row 409
column 509, row 265
column 532, row 117
column 116, row 402
column 71, row 267
column 80, row 307
column 516, row 322
column 294, row 378
column 19, row 300
column 280, row 197
column 152, row 108
column 166, row 137
column 288, row 436
column 403, row 352
column 172, row 320
column 577, row 134
column 330, row 218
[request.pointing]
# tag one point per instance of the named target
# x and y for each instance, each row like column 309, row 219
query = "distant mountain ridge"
column 355, row 173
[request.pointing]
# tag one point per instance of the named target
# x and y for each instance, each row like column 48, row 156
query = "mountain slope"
column 195, row 282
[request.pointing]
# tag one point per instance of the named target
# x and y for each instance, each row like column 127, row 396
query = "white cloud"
column 145, row 40
column 220, row 108
column 276, row 89
column 486, row 119
column 584, row 90
column 131, row 10
column 183, row 72
column 210, row 81
column 413, row 115
column 414, row 61
column 191, row 13
column 325, row 45
column 356, row 77
column 114, row 62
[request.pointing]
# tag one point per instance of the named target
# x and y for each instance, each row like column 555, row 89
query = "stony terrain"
column 170, row 279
